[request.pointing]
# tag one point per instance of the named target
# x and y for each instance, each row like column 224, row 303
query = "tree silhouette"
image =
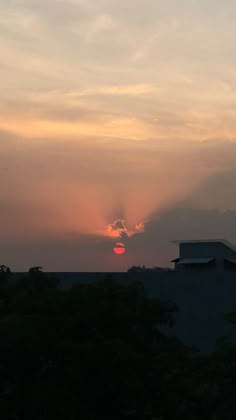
column 36, row 269
column 5, row 272
column 5, row 269
column 97, row 351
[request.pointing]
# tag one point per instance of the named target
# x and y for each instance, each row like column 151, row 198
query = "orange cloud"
column 118, row 228
column 111, row 126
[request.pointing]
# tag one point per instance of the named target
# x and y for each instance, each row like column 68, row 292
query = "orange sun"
column 119, row 248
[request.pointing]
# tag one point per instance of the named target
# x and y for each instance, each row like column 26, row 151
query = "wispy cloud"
column 126, row 90
column 111, row 111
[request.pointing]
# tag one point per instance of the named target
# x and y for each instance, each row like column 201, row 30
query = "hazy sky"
column 115, row 110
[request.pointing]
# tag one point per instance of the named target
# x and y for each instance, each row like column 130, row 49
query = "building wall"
column 206, row 249
column 203, row 299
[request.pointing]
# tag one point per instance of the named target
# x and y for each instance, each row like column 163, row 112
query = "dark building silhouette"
column 205, row 255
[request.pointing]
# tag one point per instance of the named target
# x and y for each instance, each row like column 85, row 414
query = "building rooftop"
column 196, row 260
column 190, row 241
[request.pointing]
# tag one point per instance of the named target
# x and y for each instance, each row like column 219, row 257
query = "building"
column 205, row 255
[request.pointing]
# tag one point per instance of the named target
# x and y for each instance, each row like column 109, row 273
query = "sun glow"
column 119, row 248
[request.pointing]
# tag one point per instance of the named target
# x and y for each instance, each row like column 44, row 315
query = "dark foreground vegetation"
column 96, row 352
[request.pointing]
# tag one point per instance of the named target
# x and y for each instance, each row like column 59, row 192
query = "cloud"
column 80, row 187
column 87, row 136
column 60, row 187
column 45, row 51
column 57, row 202
column 218, row 192
column 118, row 229
column 135, row 89
column 152, row 248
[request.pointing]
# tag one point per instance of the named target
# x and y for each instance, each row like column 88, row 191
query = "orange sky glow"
column 111, row 116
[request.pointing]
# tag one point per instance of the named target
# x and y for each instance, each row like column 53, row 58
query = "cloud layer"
column 114, row 111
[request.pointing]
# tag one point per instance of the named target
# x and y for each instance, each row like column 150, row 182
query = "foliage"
column 96, row 351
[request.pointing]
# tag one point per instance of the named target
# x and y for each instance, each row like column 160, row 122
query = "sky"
column 117, row 124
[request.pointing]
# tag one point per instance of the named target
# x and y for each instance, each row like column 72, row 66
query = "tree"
column 5, row 273
column 84, row 353
column 3, row 268
column 36, row 269
column 97, row 351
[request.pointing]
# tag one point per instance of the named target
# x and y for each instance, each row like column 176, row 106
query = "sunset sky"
column 117, row 124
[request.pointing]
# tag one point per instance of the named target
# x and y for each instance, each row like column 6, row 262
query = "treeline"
column 143, row 268
column 96, row 351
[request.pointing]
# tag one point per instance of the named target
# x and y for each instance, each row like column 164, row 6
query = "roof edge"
column 192, row 241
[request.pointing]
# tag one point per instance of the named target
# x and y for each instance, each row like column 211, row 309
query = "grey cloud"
column 218, row 191
column 155, row 247
column 50, row 188
column 208, row 212
column 74, row 253
column 152, row 248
